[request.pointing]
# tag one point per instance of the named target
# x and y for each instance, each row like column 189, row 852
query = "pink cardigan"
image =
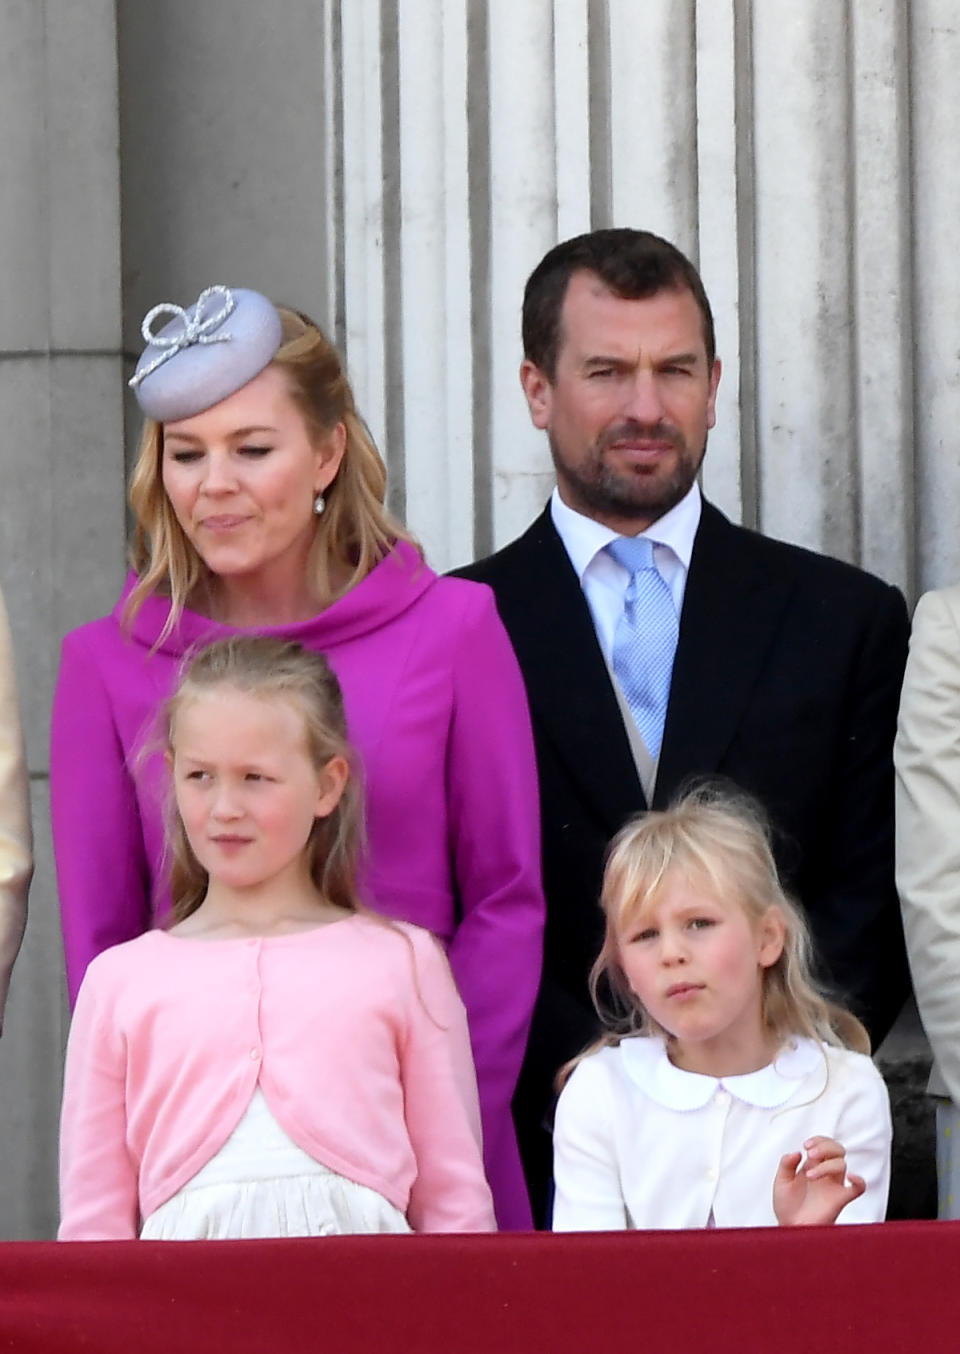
column 354, row 1032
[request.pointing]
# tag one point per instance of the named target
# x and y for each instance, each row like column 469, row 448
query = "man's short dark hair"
column 633, row 264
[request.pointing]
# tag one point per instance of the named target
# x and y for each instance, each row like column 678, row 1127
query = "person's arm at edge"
column 927, row 757
column 16, row 842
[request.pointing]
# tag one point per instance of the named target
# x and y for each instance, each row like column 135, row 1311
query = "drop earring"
column 319, row 503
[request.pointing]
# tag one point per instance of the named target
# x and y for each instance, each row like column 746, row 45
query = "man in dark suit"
column 786, row 665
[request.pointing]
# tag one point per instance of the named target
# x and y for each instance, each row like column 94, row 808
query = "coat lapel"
column 732, row 610
column 571, row 698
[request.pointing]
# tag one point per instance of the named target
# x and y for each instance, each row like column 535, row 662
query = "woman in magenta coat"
column 258, row 498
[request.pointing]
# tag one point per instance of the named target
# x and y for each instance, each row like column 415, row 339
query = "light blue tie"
column 645, row 639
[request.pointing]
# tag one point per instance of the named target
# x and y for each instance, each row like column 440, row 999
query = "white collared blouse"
column 640, row 1143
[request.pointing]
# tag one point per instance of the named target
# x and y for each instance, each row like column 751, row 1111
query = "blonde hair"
column 355, row 530
column 273, row 669
column 720, row 839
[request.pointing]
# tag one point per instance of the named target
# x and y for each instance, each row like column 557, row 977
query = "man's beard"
column 639, row 492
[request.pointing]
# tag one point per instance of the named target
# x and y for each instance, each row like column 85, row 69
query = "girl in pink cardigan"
column 280, row 1062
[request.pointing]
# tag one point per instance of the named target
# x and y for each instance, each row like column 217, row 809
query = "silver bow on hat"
column 197, row 328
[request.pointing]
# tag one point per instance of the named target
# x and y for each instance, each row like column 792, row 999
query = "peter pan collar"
column 646, row 1063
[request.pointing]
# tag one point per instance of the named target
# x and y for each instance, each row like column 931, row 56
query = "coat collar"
column 647, row 1065
column 391, row 587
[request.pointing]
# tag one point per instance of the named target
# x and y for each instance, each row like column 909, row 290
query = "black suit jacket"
column 786, row 680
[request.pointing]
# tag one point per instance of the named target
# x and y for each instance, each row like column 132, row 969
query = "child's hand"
column 816, row 1193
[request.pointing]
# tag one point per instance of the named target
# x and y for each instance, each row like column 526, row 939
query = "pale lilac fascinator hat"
column 204, row 353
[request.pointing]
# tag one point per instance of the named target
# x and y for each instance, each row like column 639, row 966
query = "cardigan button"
column 254, row 1053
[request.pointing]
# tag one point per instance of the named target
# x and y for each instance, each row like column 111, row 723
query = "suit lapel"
column 567, row 680
column 732, row 609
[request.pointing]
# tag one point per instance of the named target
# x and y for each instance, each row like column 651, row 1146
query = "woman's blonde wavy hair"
column 719, row 840
column 274, row 669
column 355, row 531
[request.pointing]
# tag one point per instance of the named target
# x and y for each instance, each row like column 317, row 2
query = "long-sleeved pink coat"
column 437, row 711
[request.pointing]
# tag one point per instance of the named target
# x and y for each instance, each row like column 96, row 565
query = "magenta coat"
column 437, row 711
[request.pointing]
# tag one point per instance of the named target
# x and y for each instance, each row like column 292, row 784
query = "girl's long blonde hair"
column 354, row 532
column 272, row 669
column 721, row 840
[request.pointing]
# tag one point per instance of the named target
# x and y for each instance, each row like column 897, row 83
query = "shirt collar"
column 646, row 1062
column 584, row 538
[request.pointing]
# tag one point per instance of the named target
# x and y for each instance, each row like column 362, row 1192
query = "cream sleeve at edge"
column 927, row 758
column 16, row 861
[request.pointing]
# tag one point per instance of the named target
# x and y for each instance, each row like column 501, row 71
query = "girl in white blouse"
column 725, row 1090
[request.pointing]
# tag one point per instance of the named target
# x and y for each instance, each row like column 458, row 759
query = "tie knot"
column 635, row 553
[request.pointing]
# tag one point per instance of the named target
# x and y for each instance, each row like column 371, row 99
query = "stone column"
column 62, row 499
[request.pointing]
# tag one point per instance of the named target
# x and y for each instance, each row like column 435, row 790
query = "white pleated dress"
column 261, row 1184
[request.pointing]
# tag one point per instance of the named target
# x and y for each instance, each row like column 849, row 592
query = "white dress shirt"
column 603, row 580
column 641, row 1143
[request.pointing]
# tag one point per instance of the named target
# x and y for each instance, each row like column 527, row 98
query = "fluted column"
column 62, row 506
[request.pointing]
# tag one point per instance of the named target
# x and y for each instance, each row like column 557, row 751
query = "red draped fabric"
column 887, row 1288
